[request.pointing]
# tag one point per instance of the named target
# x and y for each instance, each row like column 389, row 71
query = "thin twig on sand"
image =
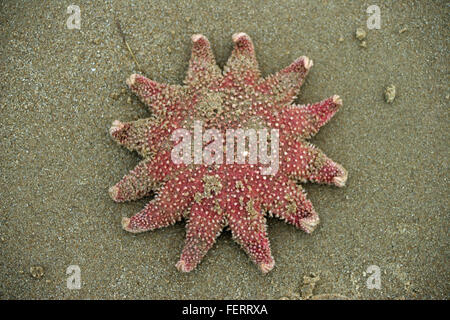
column 122, row 35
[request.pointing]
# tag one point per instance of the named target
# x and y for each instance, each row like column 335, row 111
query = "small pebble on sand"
column 37, row 272
column 389, row 93
column 360, row 34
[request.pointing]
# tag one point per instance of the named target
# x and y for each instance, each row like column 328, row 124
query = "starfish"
column 214, row 196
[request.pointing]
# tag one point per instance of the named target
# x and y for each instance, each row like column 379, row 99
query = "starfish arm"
column 242, row 66
column 143, row 178
column 248, row 227
column 145, row 135
column 167, row 207
column 133, row 135
column 303, row 161
column 329, row 172
column 204, row 226
column 291, row 205
column 203, row 71
column 305, row 121
column 283, row 87
column 135, row 185
column 160, row 98
column 318, row 114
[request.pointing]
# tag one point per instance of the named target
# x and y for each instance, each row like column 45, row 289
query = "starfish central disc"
column 210, row 104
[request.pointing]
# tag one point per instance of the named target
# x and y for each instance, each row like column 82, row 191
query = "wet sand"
column 61, row 89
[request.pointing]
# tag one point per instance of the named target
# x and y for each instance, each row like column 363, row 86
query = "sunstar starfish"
column 211, row 197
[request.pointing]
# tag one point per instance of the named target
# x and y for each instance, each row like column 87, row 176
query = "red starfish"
column 212, row 197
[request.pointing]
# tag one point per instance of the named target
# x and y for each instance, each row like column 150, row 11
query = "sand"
column 61, row 89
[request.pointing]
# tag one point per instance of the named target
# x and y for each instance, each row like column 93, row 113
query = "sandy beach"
column 62, row 88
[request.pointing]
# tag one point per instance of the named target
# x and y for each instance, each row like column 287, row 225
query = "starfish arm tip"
column 238, row 36
column 182, row 266
column 341, row 179
column 126, row 224
column 114, row 193
column 265, row 267
column 309, row 224
column 307, row 62
column 116, row 126
column 197, row 37
column 337, row 100
column 132, row 79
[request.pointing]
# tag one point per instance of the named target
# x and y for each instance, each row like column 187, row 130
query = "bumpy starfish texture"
column 238, row 196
